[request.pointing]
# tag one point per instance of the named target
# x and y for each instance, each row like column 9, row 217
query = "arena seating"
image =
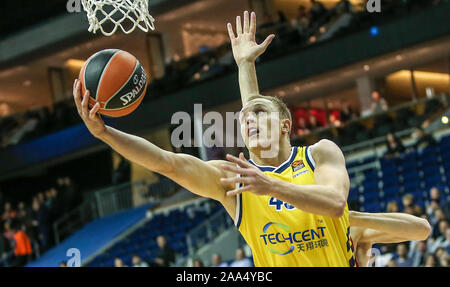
column 93, row 236
column 413, row 173
column 173, row 226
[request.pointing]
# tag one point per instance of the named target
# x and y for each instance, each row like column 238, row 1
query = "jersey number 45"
column 279, row 204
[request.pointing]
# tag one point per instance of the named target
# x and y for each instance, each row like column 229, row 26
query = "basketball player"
column 291, row 207
column 367, row 229
column 308, row 180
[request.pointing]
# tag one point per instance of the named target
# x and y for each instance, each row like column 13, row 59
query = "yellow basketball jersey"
column 281, row 235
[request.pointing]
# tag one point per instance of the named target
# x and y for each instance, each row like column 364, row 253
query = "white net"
column 126, row 14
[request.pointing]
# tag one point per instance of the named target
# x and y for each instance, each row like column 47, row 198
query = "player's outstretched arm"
column 327, row 197
column 199, row 177
column 389, row 227
column 245, row 52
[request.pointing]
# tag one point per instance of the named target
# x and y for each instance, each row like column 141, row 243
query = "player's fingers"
column 237, row 170
column 230, row 31
column 246, row 22
column 267, row 41
column 242, row 157
column 253, row 23
column 238, row 25
column 240, row 162
column 239, row 190
column 93, row 111
column 77, row 96
column 234, row 180
column 84, row 104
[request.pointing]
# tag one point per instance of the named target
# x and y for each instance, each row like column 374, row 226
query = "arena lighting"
column 374, row 31
column 366, row 67
column 421, row 75
column 74, row 63
column 444, row 120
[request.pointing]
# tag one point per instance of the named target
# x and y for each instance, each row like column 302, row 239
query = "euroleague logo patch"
column 297, row 165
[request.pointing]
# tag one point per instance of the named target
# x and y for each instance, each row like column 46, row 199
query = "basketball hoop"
column 126, row 14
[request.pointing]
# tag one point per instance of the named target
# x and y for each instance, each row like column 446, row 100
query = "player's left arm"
column 245, row 52
column 327, row 197
column 389, row 227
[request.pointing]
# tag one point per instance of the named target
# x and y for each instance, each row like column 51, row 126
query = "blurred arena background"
column 377, row 84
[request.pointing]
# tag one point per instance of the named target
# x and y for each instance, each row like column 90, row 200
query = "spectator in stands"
column 4, row 248
column 123, row 171
column 48, row 199
column 317, row 11
column 8, row 212
column 138, row 262
column 41, row 198
column 25, row 217
column 409, row 206
column 379, row 104
column 198, row 263
column 394, row 146
column 313, row 123
column 118, row 262
column 41, row 223
column 434, row 202
column 402, row 256
column 438, row 223
column 282, row 19
column 343, row 7
column 423, row 139
column 21, row 210
column 57, row 207
column 441, row 255
column 241, row 260
column 8, row 233
column 392, row 263
column 347, row 113
column 392, row 206
column 165, row 255
column 334, row 121
column 71, row 198
column 301, row 21
column 217, row 261
column 431, row 261
column 436, row 216
column 21, row 245
column 418, row 254
column 302, row 129
column 443, row 240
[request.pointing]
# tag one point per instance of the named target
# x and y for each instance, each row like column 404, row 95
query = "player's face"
column 260, row 124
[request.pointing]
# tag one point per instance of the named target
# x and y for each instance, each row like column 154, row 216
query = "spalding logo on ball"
column 116, row 80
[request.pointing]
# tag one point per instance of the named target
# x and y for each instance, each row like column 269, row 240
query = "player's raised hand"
column 93, row 121
column 251, row 177
column 243, row 43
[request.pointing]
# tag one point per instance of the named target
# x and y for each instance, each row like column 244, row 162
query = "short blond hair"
column 281, row 106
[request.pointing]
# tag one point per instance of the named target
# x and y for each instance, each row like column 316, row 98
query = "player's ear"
column 286, row 126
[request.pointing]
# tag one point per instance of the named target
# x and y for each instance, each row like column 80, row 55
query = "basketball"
column 116, row 80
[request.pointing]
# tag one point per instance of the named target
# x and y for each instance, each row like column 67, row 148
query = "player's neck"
column 261, row 158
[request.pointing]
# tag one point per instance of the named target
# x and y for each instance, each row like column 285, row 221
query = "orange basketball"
column 116, row 80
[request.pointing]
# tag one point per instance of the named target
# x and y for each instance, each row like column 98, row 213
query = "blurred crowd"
column 165, row 257
column 310, row 25
column 309, row 120
column 434, row 251
column 31, row 124
column 27, row 228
